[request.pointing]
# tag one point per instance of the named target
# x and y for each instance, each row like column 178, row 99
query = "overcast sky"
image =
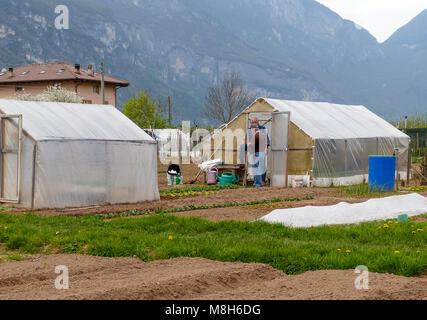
column 380, row 17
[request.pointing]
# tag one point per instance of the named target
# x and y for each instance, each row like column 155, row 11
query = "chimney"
column 77, row 67
column 90, row 70
column 10, row 72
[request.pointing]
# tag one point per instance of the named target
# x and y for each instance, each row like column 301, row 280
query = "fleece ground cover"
column 346, row 213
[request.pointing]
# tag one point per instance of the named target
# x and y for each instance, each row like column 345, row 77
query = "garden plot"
column 190, row 278
column 345, row 213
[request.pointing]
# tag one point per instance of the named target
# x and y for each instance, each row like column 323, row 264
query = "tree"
column 227, row 99
column 144, row 112
column 52, row 94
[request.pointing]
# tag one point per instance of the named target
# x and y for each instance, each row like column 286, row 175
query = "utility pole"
column 169, row 107
column 102, row 83
column 406, row 124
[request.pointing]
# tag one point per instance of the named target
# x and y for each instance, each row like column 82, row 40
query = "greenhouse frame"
column 61, row 155
column 327, row 144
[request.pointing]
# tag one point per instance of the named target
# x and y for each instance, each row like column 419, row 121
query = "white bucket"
column 175, row 180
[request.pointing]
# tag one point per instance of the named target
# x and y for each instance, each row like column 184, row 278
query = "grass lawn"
column 398, row 248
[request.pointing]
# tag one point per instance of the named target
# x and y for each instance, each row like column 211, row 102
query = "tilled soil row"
column 189, row 278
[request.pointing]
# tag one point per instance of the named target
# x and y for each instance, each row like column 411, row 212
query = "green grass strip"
column 399, row 248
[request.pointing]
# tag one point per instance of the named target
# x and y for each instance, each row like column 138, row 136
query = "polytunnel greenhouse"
column 59, row 155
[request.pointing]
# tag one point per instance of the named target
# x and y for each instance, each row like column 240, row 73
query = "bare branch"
column 227, row 99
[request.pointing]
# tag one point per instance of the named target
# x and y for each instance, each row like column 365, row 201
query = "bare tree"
column 227, row 99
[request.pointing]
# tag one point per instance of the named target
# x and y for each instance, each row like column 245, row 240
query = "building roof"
column 69, row 121
column 322, row 120
column 55, row 71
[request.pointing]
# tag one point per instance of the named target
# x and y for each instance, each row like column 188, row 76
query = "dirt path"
column 186, row 278
column 322, row 196
column 251, row 213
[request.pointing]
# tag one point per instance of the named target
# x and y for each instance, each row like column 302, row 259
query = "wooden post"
column 20, row 140
column 397, row 169
column 424, row 165
column 245, row 177
column 33, row 182
column 179, row 147
column 345, row 157
column 408, row 169
column 406, row 124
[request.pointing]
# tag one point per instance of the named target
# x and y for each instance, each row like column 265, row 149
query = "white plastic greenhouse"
column 58, row 155
column 315, row 143
column 344, row 137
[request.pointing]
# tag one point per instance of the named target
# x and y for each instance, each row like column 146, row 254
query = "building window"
column 18, row 89
column 87, row 101
column 96, row 89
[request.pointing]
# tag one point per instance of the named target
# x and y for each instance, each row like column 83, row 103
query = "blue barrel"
column 382, row 173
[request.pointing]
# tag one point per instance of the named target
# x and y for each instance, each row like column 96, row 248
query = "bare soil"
column 189, row 278
column 189, row 172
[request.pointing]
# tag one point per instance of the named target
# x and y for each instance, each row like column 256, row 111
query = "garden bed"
column 190, row 278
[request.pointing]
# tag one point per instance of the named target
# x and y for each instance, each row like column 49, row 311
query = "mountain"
column 290, row 49
column 406, row 52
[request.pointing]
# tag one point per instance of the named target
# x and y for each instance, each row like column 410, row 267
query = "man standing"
column 257, row 146
column 254, row 121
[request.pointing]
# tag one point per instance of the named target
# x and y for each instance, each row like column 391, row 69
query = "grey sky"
column 380, row 17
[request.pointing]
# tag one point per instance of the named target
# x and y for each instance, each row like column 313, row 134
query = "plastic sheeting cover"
column 85, row 173
column 322, row 120
column 350, row 157
column 74, row 121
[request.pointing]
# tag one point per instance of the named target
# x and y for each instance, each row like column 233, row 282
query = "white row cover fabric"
column 110, row 161
column 345, row 213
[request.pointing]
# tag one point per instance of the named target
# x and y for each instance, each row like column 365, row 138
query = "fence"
column 418, row 140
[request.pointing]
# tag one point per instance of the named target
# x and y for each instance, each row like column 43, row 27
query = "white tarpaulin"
column 76, row 155
column 345, row 213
